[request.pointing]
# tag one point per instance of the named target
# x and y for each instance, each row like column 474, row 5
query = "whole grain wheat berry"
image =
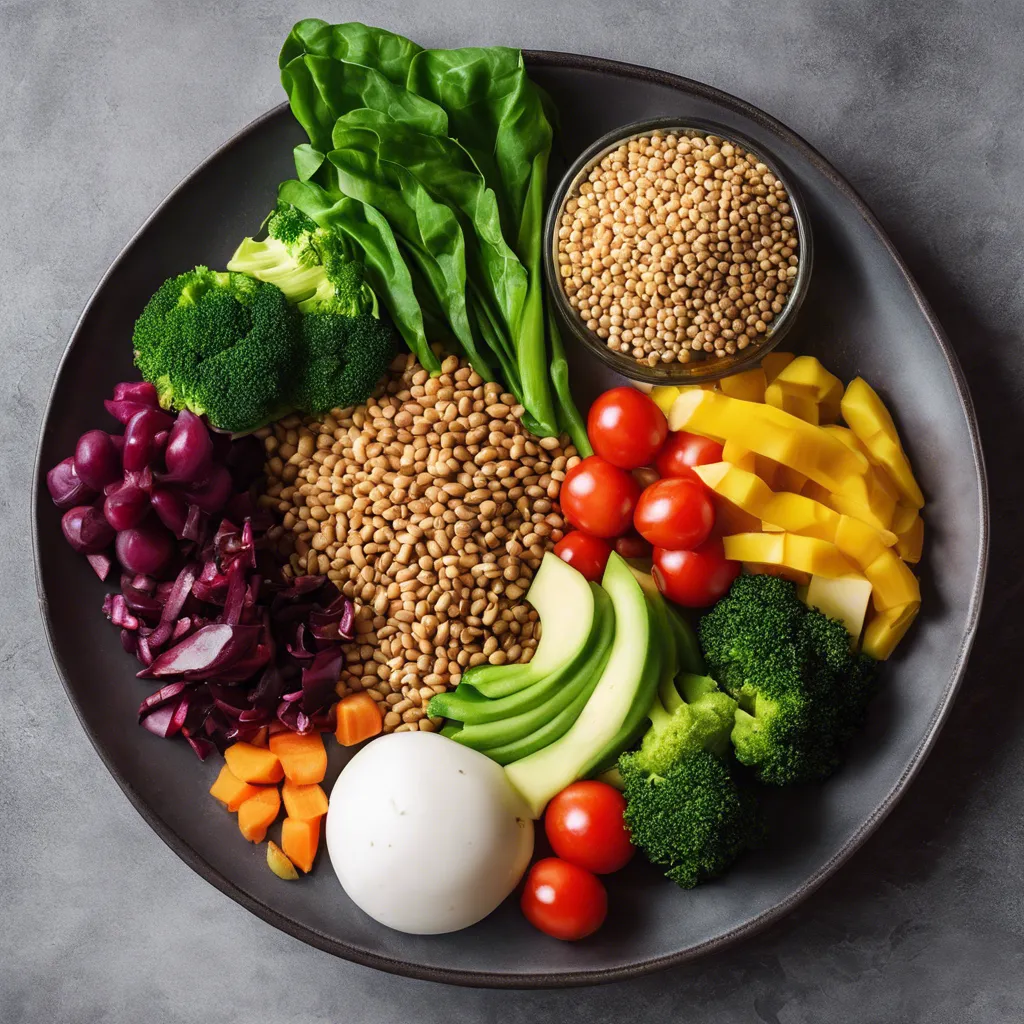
column 431, row 507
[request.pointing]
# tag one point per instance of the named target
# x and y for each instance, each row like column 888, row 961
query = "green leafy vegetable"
column 383, row 116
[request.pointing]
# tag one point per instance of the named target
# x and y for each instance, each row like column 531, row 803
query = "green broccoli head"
column 219, row 344
column 800, row 690
column 693, row 819
column 316, row 268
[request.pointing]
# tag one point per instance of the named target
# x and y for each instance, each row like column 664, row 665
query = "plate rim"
column 560, row 979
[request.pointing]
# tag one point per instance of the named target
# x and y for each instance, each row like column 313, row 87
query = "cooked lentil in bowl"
column 431, row 507
column 677, row 247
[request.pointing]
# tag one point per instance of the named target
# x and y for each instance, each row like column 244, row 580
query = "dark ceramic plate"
column 863, row 313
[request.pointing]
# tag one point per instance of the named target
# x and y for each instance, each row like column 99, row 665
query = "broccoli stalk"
column 800, row 690
column 683, row 806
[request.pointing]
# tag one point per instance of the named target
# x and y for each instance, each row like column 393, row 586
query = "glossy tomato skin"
column 626, row 427
column 675, row 513
column 695, row 578
column 682, row 451
column 599, row 498
column 584, row 825
column 586, row 554
column 632, row 545
column 563, row 900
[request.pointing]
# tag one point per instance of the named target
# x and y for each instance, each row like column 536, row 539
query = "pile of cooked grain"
column 431, row 507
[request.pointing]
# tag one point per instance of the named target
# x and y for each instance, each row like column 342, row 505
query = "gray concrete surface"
column 104, row 106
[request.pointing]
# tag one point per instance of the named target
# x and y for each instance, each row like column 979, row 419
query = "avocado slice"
column 467, row 705
column 630, row 677
column 565, row 603
column 549, row 701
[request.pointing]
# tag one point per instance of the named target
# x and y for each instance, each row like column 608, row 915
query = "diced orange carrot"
column 299, row 840
column 230, row 790
column 254, row 764
column 303, row 758
column 279, row 863
column 305, row 802
column 359, row 718
column 257, row 814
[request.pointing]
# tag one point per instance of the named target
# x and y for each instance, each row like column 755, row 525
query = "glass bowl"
column 712, row 367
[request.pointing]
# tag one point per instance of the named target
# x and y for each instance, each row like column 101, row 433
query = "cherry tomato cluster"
column 563, row 897
column 638, row 495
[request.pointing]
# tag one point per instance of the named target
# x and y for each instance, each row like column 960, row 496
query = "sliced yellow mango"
column 769, row 432
column 908, row 526
column 801, row 579
column 861, row 542
column 847, row 505
column 790, row 550
column 802, row 406
column 739, row 486
column 663, row 396
column 797, row 514
column 787, row 479
column 730, row 518
column 869, row 419
column 887, row 629
column 774, row 363
column 892, row 582
column 748, row 385
column 846, row 598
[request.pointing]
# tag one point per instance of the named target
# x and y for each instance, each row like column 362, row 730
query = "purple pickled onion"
column 166, row 694
column 320, row 678
column 147, row 548
column 189, row 452
column 128, row 641
column 203, row 748
column 116, row 610
column 66, row 488
column 182, row 628
column 126, row 507
column 101, row 564
column 140, row 447
column 140, row 602
column 214, row 494
column 86, row 530
column 171, row 509
column 142, row 651
column 97, row 460
column 193, row 523
column 140, row 391
column 173, row 603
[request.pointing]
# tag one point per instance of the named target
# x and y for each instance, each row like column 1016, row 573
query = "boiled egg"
column 425, row 835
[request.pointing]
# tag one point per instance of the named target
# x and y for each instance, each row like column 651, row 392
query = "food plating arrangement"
column 351, row 501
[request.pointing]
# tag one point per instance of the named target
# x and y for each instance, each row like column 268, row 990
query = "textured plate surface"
column 863, row 314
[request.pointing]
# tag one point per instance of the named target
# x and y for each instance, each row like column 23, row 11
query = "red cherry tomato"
column 695, row 578
column 598, row 498
column 626, row 427
column 584, row 826
column 563, row 900
column 675, row 513
column 682, row 451
column 632, row 545
column 586, row 554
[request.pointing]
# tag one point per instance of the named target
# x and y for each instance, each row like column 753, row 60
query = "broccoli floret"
column 684, row 809
column 219, row 344
column 317, row 269
column 801, row 692
column 343, row 359
column 693, row 820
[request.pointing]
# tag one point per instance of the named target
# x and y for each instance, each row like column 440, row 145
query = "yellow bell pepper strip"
column 869, row 419
column 805, row 376
column 748, row 385
column 908, row 526
column 847, row 505
column 663, row 396
column 846, row 598
column 886, row 629
column 739, row 456
column 790, row 550
column 783, row 511
column 774, row 363
column 769, row 432
column 802, row 406
column 892, row 582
